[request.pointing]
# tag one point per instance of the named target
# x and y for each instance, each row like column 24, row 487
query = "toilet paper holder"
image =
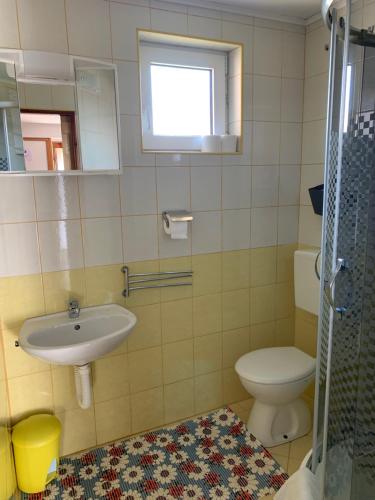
column 177, row 216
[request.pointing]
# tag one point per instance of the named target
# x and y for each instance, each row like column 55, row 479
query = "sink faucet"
column 73, row 309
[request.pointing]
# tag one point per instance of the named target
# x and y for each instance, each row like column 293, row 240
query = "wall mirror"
column 56, row 120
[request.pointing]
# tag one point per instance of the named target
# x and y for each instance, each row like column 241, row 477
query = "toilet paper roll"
column 228, row 143
column 211, row 144
column 176, row 230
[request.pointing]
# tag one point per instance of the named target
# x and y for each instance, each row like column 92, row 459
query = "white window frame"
column 152, row 53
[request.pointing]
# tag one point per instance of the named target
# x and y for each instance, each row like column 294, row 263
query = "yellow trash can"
column 36, row 451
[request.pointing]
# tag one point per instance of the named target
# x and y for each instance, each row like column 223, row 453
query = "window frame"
column 181, row 56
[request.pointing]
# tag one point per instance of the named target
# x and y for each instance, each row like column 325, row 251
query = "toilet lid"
column 275, row 365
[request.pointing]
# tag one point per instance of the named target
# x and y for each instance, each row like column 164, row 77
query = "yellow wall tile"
column 263, row 266
column 232, row 387
column 236, row 311
column 178, row 361
column 177, row 264
column 110, row 377
column 207, row 314
column 62, row 286
column 104, row 285
column 306, row 331
column 147, row 331
column 143, row 297
column 147, row 409
column 262, row 335
column 285, row 332
column 21, row 297
column 112, row 419
column 179, row 400
column 284, row 300
column 236, row 270
column 78, row 430
column 207, row 354
column 177, row 320
column 207, row 274
column 208, row 391
column 18, row 362
column 285, row 262
column 262, row 304
column 30, row 393
column 145, row 369
column 235, row 344
column 64, row 390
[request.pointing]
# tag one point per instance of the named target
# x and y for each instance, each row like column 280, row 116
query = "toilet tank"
column 306, row 283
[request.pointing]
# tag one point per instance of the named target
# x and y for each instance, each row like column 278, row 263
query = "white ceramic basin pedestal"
column 61, row 340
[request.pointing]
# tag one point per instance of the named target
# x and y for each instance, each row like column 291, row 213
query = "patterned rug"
column 210, row 457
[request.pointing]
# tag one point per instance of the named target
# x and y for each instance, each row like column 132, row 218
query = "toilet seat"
column 275, row 365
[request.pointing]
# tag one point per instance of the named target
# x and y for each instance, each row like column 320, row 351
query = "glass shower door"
column 347, row 234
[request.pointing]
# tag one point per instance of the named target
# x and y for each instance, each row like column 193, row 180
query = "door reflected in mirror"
column 49, row 140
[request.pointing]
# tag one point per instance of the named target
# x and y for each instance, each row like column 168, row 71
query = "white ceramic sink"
column 60, row 340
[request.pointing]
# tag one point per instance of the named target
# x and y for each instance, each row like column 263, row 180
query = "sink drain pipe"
column 82, row 377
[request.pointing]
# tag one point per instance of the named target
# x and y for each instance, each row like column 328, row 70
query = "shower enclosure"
column 344, row 428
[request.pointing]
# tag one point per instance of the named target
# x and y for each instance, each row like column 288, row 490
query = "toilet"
column 277, row 376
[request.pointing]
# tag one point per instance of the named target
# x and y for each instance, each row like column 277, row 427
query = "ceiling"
column 297, row 9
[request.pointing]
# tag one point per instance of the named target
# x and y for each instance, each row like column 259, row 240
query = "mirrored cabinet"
column 58, row 115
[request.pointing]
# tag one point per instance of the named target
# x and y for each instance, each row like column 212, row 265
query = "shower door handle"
column 329, row 287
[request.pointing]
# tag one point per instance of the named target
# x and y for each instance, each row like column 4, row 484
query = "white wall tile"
column 316, row 55
column 170, row 22
column 310, row 227
column 263, row 227
column 172, row 248
column 291, row 100
column 206, row 232
column 289, row 184
column 172, row 159
column 131, row 143
column 60, row 245
column 236, row 229
column 99, row 196
column 20, row 252
column 42, row 25
column 287, row 225
column 293, row 55
column 173, row 188
column 140, row 238
column 204, row 26
column 266, row 142
column 265, row 186
column 315, row 97
column 266, row 98
column 313, row 142
column 245, row 157
column 290, row 143
column 102, row 241
column 138, row 191
column 9, row 24
column 267, row 52
column 128, row 80
column 56, row 198
column 17, row 202
column 206, row 188
column 236, row 187
column 125, row 19
column 89, row 32
column 235, row 32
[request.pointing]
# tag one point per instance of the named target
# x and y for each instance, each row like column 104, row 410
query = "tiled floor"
column 289, row 455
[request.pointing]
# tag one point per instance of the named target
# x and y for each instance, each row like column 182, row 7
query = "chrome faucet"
column 74, row 309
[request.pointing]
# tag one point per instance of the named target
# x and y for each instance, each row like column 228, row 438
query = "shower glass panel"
column 344, row 432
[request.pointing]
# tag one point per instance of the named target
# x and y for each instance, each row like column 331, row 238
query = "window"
column 183, row 92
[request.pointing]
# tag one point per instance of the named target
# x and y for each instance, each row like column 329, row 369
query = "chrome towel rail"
column 141, row 278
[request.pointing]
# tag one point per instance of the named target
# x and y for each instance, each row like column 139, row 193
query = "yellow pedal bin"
column 36, row 443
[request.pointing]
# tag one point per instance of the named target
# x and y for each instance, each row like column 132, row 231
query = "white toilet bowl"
column 276, row 377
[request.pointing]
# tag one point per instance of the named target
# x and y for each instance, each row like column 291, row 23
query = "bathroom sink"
column 60, row 340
